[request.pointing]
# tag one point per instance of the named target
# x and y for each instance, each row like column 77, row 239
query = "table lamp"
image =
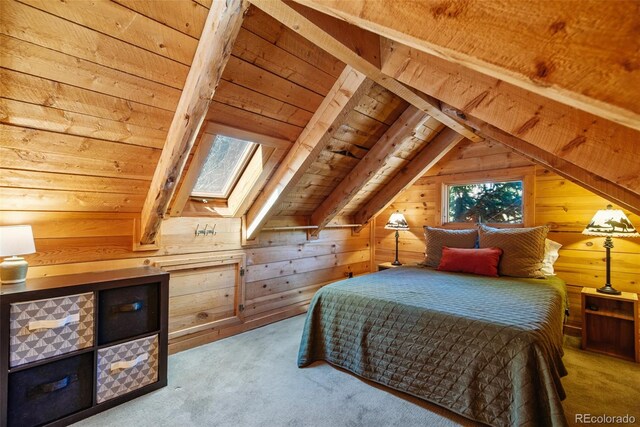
column 15, row 240
column 397, row 222
column 610, row 223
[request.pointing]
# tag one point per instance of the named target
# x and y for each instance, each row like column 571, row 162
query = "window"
column 223, row 166
column 487, row 202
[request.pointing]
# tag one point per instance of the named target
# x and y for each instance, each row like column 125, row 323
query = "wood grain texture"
column 578, row 137
column 553, row 52
column 369, row 166
column 266, row 27
column 123, row 24
column 50, row 64
column 244, row 120
column 35, row 90
column 621, row 195
column 52, row 119
column 187, row 17
column 32, row 25
column 435, row 150
column 346, row 92
column 318, row 36
column 248, row 75
column 249, row 100
column 214, row 49
column 39, row 150
column 266, row 55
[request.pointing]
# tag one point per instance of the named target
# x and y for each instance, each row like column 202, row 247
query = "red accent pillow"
column 476, row 261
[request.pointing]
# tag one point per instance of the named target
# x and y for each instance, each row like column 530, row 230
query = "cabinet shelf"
column 610, row 324
column 116, row 313
column 614, row 314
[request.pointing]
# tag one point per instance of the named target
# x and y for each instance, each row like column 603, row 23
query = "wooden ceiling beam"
column 589, row 142
column 579, row 56
column 587, row 179
column 341, row 99
column 387, row 146
column 213, row 51
column 425, row 160
column 312, row 32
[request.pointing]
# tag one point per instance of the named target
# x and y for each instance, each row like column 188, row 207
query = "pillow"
column 436, row 238
column 550, row 256
column 476, row 261
column 522, row 249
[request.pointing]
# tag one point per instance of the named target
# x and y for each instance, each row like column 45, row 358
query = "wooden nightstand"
column 610, row 324
column 386, row 266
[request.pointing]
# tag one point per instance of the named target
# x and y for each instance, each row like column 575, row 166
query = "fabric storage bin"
column 126, row 367
column 127, row 312
column 47, row 392
column 50, row 327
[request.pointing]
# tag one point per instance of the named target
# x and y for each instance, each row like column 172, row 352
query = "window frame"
column 525, row 174
column 235, row 175
column 268, row 154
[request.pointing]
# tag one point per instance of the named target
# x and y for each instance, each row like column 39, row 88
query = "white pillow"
column 550, row 256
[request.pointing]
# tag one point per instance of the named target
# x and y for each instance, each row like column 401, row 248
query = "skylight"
column 225, row 162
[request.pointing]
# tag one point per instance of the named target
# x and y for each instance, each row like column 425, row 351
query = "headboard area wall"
column 566, row 207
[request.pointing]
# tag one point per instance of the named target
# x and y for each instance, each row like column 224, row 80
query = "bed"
column 489, row 349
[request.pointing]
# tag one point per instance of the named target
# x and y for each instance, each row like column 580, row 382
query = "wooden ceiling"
column 89, row 95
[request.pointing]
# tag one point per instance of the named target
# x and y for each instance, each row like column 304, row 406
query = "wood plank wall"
column 565, row 207
column 282, row 272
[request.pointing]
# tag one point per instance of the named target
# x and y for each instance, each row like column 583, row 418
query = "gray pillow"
column 522, row 249
column 436, row 238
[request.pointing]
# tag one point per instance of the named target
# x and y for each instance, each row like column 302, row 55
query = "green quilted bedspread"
column 489, row 349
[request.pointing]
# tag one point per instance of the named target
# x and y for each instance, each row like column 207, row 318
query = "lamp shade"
column 397, row 222
column 16, row 240
column 610, row 222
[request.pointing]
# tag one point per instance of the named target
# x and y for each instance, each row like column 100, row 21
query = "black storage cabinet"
column 129, row 304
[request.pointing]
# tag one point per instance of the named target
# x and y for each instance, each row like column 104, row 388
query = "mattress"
column 489, row 349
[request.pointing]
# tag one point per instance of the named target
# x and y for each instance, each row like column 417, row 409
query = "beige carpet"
column 599, row 385
column 252, row 380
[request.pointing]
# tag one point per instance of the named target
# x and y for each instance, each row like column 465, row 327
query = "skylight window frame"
column 235, row 175
column 269, row 153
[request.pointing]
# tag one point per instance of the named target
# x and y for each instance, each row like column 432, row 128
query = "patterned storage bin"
column 127, row 367
column 50, row 327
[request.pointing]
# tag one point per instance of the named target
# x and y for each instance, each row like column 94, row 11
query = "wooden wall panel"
column 87, row 90
column 123, row 24
column 41, row 28
column 186, row 16
column 29, row 58
column 282, row 272
column 565, row 207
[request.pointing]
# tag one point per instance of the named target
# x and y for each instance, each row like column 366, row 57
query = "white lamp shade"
column 16, row 240
column 610, row 223
column 397, row 222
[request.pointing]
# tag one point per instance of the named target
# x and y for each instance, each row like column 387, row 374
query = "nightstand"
column 386, row 266
column 610, row 324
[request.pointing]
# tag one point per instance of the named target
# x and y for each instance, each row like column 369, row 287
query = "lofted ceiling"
column 109, row 108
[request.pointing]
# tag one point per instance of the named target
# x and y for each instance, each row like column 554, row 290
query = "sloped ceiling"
column 87, row 96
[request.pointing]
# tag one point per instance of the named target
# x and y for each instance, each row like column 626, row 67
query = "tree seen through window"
column 490, row 202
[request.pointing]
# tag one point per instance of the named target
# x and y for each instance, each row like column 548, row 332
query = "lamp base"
column 608, row 289
column 13, row 270
column 396, row 262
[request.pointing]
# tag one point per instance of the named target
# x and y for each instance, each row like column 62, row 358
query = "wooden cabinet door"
column 204, row 293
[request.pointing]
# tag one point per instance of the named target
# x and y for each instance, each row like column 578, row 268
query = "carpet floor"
column 252, row 379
